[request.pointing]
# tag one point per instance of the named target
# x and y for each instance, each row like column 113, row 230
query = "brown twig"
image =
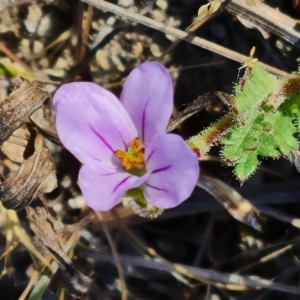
column 13, row 57
column 268, row 18
column 83, row 31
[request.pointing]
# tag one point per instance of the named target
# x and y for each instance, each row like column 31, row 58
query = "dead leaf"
column 39, row 119
column 17, row 145
column 47, row 238
column 240, row 208
column 35, row 176
column 18, row 106
column 196, row 106
column 205, row 12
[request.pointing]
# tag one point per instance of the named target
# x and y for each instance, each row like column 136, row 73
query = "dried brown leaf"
column 39, row 119
column 47, row 237
column 196, row 106
column 18, row 106
column 240, row 208
column 18, row 143
column 34, row 177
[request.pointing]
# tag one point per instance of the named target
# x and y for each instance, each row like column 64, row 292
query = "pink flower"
column 123, row 145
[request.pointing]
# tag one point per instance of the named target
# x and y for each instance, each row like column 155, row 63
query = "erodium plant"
column 263, row 121
column 123, row 145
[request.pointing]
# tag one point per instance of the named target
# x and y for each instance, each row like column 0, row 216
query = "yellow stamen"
column 134, row 157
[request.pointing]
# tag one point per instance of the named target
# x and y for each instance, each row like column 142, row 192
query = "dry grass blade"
column 14, row 57
column 268, row 257
column 15, row 231
column 43, row 224
column 83, row 31
column 147, row 5
column 35, row 277
column 11, row 238
column 43, row 281
column 230, row 281
column 224, row 97
column 178, row 272
column 116, row 257
column 181, row 271
column 44, row 278
column 59, row 40
column 205, row 12
column 268, row 18
column 280, row 216
column 196, row 106
column 176, row 33
column 243, row 282
column 240, row 208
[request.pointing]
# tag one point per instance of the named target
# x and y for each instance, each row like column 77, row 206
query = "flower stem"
column 202, row 142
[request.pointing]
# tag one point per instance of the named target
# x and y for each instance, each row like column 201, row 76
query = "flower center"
column 134, row 157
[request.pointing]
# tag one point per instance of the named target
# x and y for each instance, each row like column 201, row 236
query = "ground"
column 187, row 252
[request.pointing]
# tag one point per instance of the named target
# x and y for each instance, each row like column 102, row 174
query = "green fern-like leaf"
column 263, row 121
column 246, row 167
column 252, row 90
column 261, row 129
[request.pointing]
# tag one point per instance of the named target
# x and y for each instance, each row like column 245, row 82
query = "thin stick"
column 115, row 255
column 14, row 57
column 188, row 37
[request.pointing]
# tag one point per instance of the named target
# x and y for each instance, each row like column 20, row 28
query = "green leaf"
column 282, row 129
column 238, row 143
column 263, row 121
column 253, row 88
column 10, row 70
column 246, row 167
column 292, row 108
column 267, row 145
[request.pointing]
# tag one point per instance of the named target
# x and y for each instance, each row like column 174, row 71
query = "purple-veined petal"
column 148, row 97
column 103, row 185
column 174, row 171
column 91, row 122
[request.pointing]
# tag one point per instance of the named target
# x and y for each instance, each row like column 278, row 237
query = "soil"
column 42, row 40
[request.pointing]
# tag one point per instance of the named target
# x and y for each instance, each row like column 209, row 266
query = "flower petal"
column 91, row 122
column 148, row 98
column 174, row 171
column 103, row 185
